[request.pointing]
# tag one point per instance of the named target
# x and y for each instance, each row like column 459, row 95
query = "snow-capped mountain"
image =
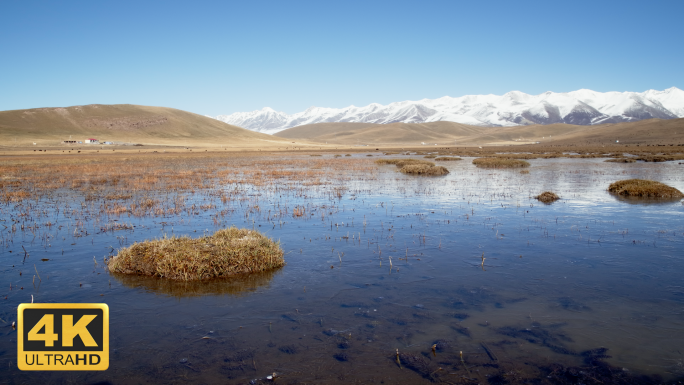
column 582, row 107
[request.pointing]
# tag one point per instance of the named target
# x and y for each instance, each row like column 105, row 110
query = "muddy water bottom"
column 458, row 279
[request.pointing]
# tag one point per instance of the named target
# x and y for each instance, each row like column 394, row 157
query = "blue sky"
column 219, row 57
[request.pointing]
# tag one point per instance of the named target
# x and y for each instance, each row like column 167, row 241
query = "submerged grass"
column 447, row 158
column 621, row 160
column 644, row 188
column 500, row 163
column 547, row 197
column 225, row 253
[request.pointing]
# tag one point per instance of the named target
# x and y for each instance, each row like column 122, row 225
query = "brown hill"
column 311, row 131
column 123, row 123
column 653, row 131
column 393, row 133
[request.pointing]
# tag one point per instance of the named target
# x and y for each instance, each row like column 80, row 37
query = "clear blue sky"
column 219, row 57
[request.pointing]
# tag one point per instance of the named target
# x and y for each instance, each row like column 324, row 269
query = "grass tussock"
column 424, row 169
column 225, row 253
column 400, row 163
column 415, row 166
column 621, row 160
column 644, row 188
column 447, row 158
column 525, row 171
column 430, row 156
column 547, row 197
column 500, row 163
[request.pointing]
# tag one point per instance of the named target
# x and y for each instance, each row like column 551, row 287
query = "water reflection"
column 644, row 200
column 238, row 285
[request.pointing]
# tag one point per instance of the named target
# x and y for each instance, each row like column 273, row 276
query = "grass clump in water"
column 644, row 188
column 621, row 160
column 424, row 169
column 547, row 197
column 447, row 158
column 225, row 253
column 500, row 163
column 403, row 162
column 415, row 166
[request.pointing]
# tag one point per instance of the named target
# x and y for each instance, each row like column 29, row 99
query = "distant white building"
column 90, row 140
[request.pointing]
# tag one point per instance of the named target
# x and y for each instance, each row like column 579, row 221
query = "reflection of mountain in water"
column 237, row 285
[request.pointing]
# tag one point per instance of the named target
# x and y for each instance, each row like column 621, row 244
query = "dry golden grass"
column 547, row 197
column 447, row 158
column 644, row 188
column 225, row 253
column 403, row 162
column 424, row 169
column 500, row 163
column 415, row 166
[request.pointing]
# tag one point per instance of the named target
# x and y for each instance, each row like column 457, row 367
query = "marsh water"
column 466, row 276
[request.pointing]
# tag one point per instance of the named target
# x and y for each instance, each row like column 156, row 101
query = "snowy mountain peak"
column 583, row 107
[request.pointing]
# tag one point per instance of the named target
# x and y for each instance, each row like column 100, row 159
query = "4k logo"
column 63, row 336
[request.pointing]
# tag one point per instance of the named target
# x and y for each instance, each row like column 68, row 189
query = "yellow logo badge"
column 63, row 336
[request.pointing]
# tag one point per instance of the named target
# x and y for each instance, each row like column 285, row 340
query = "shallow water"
column 477, row 266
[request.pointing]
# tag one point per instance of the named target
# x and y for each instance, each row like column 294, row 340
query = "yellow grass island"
column 226, row 253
